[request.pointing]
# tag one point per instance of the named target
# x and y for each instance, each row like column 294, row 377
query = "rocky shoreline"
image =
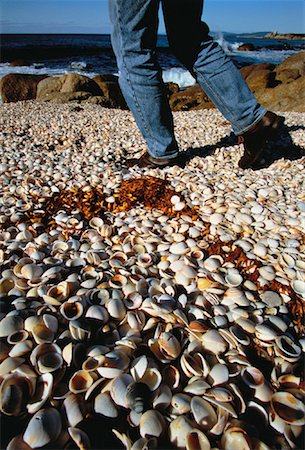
column 280, row 87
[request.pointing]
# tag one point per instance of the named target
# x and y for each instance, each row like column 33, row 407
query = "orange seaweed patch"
column 150, row 192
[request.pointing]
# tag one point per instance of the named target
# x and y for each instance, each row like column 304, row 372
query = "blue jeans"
column 134, row 38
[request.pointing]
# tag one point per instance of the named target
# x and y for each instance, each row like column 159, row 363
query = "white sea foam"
column 178, row 75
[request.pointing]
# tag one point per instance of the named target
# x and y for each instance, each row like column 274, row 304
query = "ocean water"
column 58, row 54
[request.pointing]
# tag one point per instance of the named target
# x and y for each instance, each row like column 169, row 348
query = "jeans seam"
column 219, row 100
column 145, row 124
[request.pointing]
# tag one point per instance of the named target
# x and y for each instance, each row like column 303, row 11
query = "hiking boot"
column 256, row 138
column 146, row 160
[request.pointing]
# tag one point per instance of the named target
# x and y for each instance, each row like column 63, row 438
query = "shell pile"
column 167, row 306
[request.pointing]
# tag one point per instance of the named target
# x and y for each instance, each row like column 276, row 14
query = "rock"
column 290, row 36
column 295, row 63
column 284, row 97
column 287, row 75
column 191, row 97
column 49, row 86
column 261, row 79
column 247, row 70
column 171, row 88
column 19, row 62
column 65, row 97
column 111, row 91
column 73, row 82
column 247, row 47
column 17, row 87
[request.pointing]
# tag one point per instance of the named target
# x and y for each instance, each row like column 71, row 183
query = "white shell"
column 43, row 428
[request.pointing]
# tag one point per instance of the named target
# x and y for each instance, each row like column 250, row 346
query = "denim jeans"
column 134, row 38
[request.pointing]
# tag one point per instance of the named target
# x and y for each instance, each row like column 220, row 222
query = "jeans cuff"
column 244, row 130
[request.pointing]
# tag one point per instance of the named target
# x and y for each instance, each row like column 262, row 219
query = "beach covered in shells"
column 148, row 308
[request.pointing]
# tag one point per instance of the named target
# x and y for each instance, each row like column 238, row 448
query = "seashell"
column 80, row 438
column 271, row 299
column 194, row 364
column 46, row 357
column 162, row 398
column 31, row 271
column 169, row 345
column 219, row 374
column 41, row 333
column 233, row 278
column 151, row 424
column 197, row 440
column 138, row 397
column 10, row 325
column 216, row 218
column 288, row 408
column 80, row 329
column 234, row 296
column 44, row 386
column 98, row 312
column 143, row 443
column 181, row 402
column 299, row 287
column 178, row 430
column 252, row 377
column 75, row 408
column 118, row 389
column 15, row 390
column 265, row 333
column 212, row 264
column 260, row 250
column 267, row 273
column 204, row 414
column 10, row 364
column 96, row 223
column 43, row 428
column 21, row 348
column 116, row 308
column 80, row 381
column 17, row 443
column 103, row 404
column 213, row 342
column 287, row 349
column 71, row 310
column 197, row 387
column 178, row 248
column 237, row 438
column 179, row 206
column 117, row 281
column 17, row 336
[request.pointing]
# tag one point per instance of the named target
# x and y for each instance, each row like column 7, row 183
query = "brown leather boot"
column 256, row 138
column 148, row 161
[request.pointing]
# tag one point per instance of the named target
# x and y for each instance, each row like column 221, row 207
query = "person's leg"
column 134, row 36
column 215, row 72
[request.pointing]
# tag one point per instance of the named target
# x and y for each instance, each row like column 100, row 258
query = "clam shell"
column 233, row 278
column 43, row 428
column 252, row 376
column 204, row 414
column 75, row 408
column 80, row 382
column 80, row 438
column 178, row 431
column 151, row 424
column 15, row 391
column 197, row 440
column 299, row 287
column 286, row 406
column 44, row 386
column 237, row 438
column 10, row 325
column 103, row 404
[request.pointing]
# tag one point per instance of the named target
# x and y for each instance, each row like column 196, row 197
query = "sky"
column 91, row 16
